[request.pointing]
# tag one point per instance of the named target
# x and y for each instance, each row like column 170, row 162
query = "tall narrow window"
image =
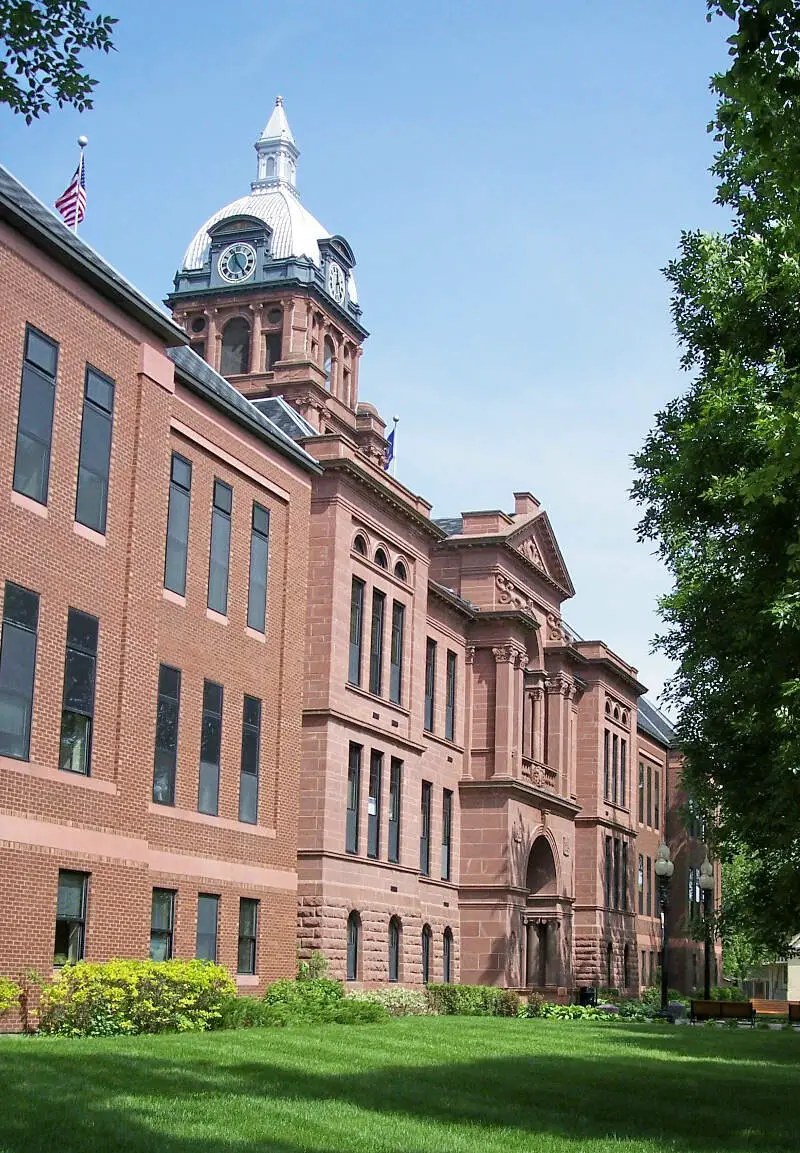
column 656, row 802
column 425, row 829
column 77, row 710
column 17, row 669
column 640, row 883
column 395, row 793
column 641, row 793
column 623, row 772
column 210, row 747
column 274, row 350
column 430, row 683
column 623, row 880
column 374, row 804
column 394, row 949
column 235, row 358
column 626, row 966
column 35, row 423
column 609, row 872
column 248, row 935
column 166, row 757
column 649, row 902
column 450, row 698
column 353, row 945
column 353, row 794
column 328, row 361
column 609, row 965
column 259, row 559
column 251, row 751
column 447, row 957
column 376, row 643
column 649, row 794
column 427, row 939
column 617, row 879
column 615, row 769
column 162, row 924
column 177, row 552
column 396, row 659
column 207, row 918
column 95, row 454
column 356, row 631
column 70, row 917
column 220, row 554
column 606, row 765
column 447, row 832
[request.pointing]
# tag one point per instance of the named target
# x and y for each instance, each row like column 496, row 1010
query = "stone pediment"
column 536, row 542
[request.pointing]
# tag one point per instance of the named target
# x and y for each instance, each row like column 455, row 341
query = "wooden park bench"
column 722, row 1011
column 764, row 1008
column 794, row 1012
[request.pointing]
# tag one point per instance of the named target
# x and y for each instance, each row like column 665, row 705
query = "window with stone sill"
column 353, row 945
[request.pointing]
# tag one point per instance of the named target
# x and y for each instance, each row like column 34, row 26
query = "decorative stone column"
column 214, row 339
column 469, row 661
column 256, row 339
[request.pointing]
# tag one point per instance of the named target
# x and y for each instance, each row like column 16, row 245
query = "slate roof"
column 452, row 525
column 280, row 412
column 655, row 724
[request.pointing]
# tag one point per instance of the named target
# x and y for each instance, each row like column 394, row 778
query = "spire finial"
column 278, row 101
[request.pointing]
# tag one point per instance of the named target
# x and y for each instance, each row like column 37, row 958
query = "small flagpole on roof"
column 71, row 204
column 390, row 450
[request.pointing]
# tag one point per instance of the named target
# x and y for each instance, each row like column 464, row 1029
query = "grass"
column 417, row 1085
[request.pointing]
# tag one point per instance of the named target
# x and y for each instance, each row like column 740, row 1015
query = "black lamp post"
column 664, row 868
column 707, row 885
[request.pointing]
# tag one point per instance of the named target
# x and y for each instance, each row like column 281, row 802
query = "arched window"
column 381, row 559
column 609, row 966
column 608, row 709
column 235, row 347
column 427, row 942
column 270, row 168
column 395, row 933
column 626, row 962
column 447, row 957
column 616, row 714
column 400, row 571
column 353, row 945
column 328, row 361
column 360, row 545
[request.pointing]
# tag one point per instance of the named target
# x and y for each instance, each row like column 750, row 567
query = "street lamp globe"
column 706, row 875
column 664, row 865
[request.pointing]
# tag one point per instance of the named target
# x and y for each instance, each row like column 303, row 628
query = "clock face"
column 237, row 262
column 336, row 282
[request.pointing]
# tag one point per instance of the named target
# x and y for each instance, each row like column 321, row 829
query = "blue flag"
column 389, row 450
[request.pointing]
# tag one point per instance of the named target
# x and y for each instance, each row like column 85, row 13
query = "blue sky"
column 511, row 176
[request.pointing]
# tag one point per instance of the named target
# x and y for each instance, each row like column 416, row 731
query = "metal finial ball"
column 83, row 141
column 396, row 419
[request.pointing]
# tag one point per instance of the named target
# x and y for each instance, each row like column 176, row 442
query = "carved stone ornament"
column 511, row 595
column 530, row 551
column 555, row 630
column 469, row 654
column 504, row 654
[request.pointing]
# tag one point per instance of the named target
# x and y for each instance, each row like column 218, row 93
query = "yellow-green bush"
column 98, row 1000
column 10, row 993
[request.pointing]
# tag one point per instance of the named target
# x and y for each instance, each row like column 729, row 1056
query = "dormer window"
column 235, row 358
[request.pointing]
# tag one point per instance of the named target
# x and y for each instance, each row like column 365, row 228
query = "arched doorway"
column 543, row 943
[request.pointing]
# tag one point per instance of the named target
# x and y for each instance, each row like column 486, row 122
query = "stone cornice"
column 529, row 793
column 358, row 472
column 495, row 541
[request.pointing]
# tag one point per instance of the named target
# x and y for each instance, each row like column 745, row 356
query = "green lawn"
column 434, row 1084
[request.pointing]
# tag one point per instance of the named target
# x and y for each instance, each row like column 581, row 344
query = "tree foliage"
column 719, row 476
column 42, row 41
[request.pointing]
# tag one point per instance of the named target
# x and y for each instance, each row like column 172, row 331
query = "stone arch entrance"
column 543, row 952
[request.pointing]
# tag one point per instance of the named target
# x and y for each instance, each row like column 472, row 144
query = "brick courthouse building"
column 444, row 783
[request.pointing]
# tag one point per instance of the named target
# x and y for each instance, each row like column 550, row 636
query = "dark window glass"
column 617, row 880
column 248, row 935
column 426, row 953
column 70, row 917
column 609, row 965
column 447, row 832
column 381, row 560
column 430, row 681
column 376, row 645
column 374, row 804
column 649, row 794
column 400, row 571
column 17, row 669
column 162, row 924
column 447, row 957
column 641, row 793
column 235, row 358
column 177, row 553
column 95, row 455
column 425, row 829
column 327, row 360
column 274, row 350
column 656, row 802
column 649, row 904
column 450, row 698
column 259, row 559
column 220, row 555
column 356, row 631
column 640, row 884
column 251, row 750
column 210, row 746
column 623, row 880
column 615, row 769
column 396, row 656
column 360, row 546
column 77, row 715
column 623, row 771
column 353, row 945
column 35, row 422
column 606, row 765
column 609, row 873
column 394, row 949
column 207, row 916
column 166, row 757
column 395, row 791
column 353, row 798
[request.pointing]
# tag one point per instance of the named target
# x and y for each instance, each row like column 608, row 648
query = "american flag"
column 72, row 203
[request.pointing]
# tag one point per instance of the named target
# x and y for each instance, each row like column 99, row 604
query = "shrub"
column 243, row 1013
column 533, row 1006
column 574, row 1013
column 308, row 997
column 315, row 1000
column 636, row 1009
column 395, row 999
column 10, row 994
column 728, row 993
column 95, row 1000
column 357, row 1013
column 473, row 1000
column 314, row 966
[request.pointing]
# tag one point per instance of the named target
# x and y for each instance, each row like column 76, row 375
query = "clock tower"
column 268, row 298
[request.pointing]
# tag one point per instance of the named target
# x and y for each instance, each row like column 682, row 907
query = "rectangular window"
column 35, row 422
column 94, row 461
column 623, row 772
column 248, row 935
column 162, row 924
column 649, row 901
column 70, row 917
column 220, row 554
column 396, row 659
column 166, row 757
column 259, row 562
column 609, row 872
column 640, row 884
column 376, row 643
column 207, row 917
column 617, row 878
column 607, row 765
column 17, row 669
column 353, row 798
column 210, row 748
column 395, row 797
column 356, row 631
column 251, row 755
column 77, row 710
column 447, row 833
column 623, row 902
column 641, row 793
column 650, row 794
column 177, row 551
column 374, row 804
column 450, row 698
column 615, row 769
column 425, row 830
column 695, row 892
column 430, row 682
column 657, row 802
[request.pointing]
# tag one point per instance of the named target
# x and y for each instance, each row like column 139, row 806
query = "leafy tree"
column 719, row 476
column 42, row 41
column 742, row 953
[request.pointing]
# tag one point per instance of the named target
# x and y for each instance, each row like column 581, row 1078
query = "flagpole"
column 82, row 142
column 395, row 422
